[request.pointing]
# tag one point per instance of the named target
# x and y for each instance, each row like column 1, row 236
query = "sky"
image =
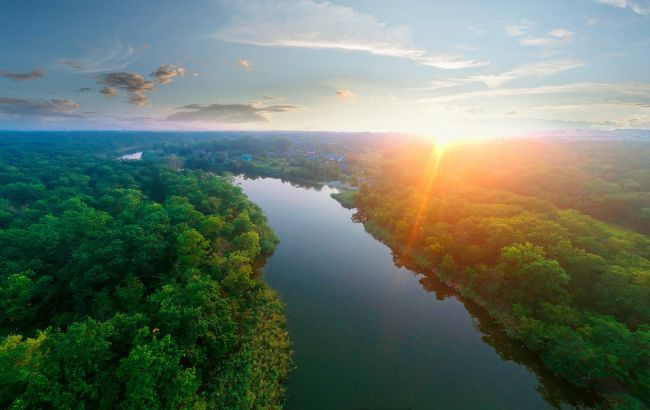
column 446, row 68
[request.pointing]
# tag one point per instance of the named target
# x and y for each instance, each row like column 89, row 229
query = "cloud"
column 323, row 25
column 449, row 62
column 245, row 64
column 540, row 69
column 516, row 31
column 38, row 107
column 136, row 85
column 562, row 34
column 554, row 38
column 345, row 94
column 633, row 89
column 591, row 21
column 230, row 113
column 32, row 75
column 535, row 70
column 133, row 83
column 109, row 92
column 166, row 73
column 84, row 89
column 114, row 57
column 638, row 8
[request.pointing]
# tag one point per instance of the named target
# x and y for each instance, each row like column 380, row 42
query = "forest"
column 127, row 284
column 548, row 236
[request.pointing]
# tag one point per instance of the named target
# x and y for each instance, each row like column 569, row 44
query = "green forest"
column 135, row 284
column 128, row 284
column 549, row 237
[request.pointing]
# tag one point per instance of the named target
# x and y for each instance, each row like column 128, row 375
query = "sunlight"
column 429, row 176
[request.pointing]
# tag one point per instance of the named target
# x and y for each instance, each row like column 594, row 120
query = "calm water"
column 368, row 334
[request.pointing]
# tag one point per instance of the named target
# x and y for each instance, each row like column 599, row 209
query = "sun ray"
column 430, row 175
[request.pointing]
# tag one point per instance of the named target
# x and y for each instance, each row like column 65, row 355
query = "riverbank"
column 356, row 319
column 504, row 319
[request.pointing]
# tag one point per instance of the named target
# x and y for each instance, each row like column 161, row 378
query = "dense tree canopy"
column 571, row 287
column 131, row 285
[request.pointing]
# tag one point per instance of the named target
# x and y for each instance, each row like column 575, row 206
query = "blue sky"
column 463, row 68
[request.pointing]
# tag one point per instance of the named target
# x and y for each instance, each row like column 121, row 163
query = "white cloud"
column 323, row 25
column 638, row 8
column 449, row 62
column 114, row 57
column 592, row 21
column 541, row 69
column 447, row 83
column 516, row 31
column 562, row 34
column 554, row 38
column 632, row 89
column 245, row 64
column 535, row 70
column 538, row 42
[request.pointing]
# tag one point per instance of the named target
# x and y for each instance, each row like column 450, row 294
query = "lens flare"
column 428, row 181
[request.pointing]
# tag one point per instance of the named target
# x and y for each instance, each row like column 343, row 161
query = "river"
column 370, row 335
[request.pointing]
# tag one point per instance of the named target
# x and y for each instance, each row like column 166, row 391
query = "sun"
column 443, row 143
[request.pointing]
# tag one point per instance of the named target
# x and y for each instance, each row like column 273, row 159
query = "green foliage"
column 346, row 197
column 491, row 223
column 130, row 285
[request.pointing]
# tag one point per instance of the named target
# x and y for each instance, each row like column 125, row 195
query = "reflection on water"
column 370, row 334
column 555, row 391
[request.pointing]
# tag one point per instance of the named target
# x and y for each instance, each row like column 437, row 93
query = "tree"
column 191, row 248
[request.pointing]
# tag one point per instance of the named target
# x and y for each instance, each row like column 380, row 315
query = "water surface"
column 370, row 335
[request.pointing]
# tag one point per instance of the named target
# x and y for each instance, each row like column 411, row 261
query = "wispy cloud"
column 637, row 7
column 323, row 25
column 562, row 33
column 18, row 76
column 136, row 85
column 37, row 107
column 517, row 30
column 115, row 57
column 532, row 70
column 254, row 112
column 538, row 42
column 553, row 38
column 641, row 90
column 537, row 70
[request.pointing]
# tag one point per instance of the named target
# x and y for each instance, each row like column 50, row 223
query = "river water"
column 370, row 335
